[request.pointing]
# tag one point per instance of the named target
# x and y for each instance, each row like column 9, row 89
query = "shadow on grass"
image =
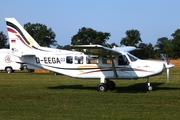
column 140, row 88
column 78, row 87
column 136, row 88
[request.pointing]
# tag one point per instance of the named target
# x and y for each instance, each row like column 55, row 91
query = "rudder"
column 19, row 38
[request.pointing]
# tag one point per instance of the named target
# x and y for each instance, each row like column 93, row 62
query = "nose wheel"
column 149, row 86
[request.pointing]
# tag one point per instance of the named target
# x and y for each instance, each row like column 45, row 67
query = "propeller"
column 167, row 64
column 168, row 73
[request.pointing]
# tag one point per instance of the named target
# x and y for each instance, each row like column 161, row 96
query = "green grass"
column 43, row 96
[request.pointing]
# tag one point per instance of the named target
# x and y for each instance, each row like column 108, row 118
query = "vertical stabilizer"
column 19, row 38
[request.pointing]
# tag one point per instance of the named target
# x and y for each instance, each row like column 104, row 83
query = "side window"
column 78, row 60
column 122, row 60
column 91, row 60
column 106, row 60
column 69, row 59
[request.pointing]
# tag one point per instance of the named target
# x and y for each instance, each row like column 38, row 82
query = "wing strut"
column 113, row 66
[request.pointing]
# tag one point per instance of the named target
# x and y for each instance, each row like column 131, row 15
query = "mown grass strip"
column 26, row 95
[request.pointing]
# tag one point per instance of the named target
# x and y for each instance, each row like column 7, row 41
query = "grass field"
column 44, row 96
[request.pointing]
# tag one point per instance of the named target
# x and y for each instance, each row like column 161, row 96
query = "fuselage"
column 77, row 64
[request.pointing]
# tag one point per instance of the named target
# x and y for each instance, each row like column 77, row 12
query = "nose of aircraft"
column 169, row 65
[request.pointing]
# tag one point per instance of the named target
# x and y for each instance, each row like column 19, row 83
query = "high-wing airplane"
column 94, row 61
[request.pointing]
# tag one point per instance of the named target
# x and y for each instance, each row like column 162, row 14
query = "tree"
column 160, row 46
column 161, row 43
column 44, row 36
column 148, row 51
column 59, row 47
column 87, row 36
column 176, row 44
column 111, row 45
column 168, row 49
column 144, row 51
column 3, row 39
column 66, row 47
column 132, row 38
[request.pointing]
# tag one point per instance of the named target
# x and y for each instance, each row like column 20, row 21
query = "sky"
column 152, row 18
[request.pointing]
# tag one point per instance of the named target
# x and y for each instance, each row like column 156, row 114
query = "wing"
column 96, row 49
column 101, row 50
column 125, row 48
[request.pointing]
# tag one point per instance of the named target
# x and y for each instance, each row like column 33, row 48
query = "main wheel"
column 101, row 87
column 110, row 85
column 9, row 70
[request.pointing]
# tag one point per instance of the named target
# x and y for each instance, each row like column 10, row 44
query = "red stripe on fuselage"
column 125, row 70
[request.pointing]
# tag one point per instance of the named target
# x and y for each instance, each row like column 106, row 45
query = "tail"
column 19, row 38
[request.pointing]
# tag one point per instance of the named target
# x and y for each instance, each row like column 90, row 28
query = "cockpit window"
column 132, row 57
column 122, row 60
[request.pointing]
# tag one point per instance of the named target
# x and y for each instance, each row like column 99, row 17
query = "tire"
column 110, row 85
column 149, row 88
column 55, row 73
column 101, row 87
column 9, row 70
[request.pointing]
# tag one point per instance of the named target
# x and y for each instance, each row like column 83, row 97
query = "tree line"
column 86, row 36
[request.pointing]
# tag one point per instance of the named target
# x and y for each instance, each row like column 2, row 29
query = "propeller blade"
column 167, row 64
column 168, row 75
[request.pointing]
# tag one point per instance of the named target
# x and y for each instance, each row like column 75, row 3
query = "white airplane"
column 95, row 61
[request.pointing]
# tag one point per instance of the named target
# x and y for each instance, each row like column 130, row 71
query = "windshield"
column 132, row 57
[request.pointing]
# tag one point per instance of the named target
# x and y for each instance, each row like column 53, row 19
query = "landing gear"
column 149, row 87
column 102, row 87
column 55, row 73
column 110, row 84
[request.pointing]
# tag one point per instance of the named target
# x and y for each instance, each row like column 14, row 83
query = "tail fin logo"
column 16, row 31
column 30, row 41
column 13, row 41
